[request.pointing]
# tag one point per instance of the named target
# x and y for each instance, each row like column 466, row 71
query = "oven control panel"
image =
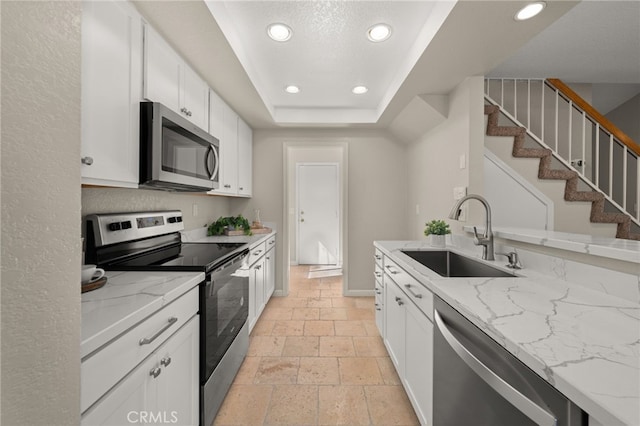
column 120, row 227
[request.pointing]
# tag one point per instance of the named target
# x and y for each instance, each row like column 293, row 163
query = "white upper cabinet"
column 111, row 92
column 236, row 143
column 245, row 160
column 169, row 80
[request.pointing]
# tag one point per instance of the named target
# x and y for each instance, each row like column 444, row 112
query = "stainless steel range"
column 151, row 241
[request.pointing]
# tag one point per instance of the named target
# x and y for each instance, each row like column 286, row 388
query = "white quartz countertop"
column 613, row 248
column 126, row 299
column 583, row 342
column 201, row 237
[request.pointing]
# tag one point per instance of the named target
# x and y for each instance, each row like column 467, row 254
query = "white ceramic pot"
column 437, row 240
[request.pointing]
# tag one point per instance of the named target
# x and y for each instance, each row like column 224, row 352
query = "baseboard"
column 360, row 293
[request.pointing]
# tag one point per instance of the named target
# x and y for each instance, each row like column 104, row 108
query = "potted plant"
column 229, row 223
column 436, row 231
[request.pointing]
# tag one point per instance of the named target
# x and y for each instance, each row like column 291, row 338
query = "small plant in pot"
column 230, row 222
column 436, row 231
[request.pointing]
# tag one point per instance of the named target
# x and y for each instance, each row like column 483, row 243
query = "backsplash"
column 614, row 283
column 117, row 200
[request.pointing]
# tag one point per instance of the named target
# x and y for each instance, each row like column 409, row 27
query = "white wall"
column 625, row 117
column 434, row 162
column 116, row 200
column 376, row 192
column 40, row 185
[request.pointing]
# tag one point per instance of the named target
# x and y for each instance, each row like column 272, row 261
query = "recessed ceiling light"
column 379, row 32
column 359, row 90
column 279, row 32
column 529, row 11
column 292, row 89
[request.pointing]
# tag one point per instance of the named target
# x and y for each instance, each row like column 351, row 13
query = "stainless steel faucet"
column 486, row 240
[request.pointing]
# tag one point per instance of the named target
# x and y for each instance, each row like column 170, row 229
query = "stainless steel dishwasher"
column 478, row 382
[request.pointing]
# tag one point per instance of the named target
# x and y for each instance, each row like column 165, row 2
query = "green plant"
column 231, row 222
column 437, row 227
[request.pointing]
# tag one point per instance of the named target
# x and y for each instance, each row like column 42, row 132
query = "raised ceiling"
column 328, row 53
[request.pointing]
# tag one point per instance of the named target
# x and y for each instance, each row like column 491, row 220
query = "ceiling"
column 596, row 42
column 474, row 39
column 328, row 53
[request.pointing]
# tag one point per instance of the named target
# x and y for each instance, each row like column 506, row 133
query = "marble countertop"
column 583, row 342
column 126, row 299
column 614, row 248
column 200, row 236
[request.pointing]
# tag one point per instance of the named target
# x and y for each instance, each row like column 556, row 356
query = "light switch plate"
column 463, row 161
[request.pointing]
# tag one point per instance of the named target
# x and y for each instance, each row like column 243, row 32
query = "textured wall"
column 40, row 311
column 117, row 200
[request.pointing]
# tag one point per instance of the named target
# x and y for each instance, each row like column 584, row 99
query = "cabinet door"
column 216, row 112
column 195, row 97
column 394, row 338
column 111, row 89
column 260, row 270
column 245, row 158
column 252, row 299
column 270, row 274
column 162, row 68
column 178, row 385
column 126, row 402
column 418, row 369
column 229, row 152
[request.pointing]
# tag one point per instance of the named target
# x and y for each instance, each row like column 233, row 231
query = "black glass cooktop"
column 182, row 257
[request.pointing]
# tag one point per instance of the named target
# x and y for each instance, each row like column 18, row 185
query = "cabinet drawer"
column 416, row 292
column 102, row 369
column 257, row 252
column 379, row 258
column 271, row 243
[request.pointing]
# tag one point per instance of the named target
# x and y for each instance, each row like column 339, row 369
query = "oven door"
column 174, row 153
column 225, row 305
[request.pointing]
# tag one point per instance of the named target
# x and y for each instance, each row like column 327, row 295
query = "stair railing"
column 580, row 138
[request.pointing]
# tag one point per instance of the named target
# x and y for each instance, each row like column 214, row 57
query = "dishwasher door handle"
column 525, row 405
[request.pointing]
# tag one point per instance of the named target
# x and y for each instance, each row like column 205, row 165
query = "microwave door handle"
column 206, row 161
column 536, row 413
column 216, row 164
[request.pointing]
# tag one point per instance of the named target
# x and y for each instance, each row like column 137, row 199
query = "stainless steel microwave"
column 175, row 154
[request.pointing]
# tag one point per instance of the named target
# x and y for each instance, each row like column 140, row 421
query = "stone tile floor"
column 316, row 358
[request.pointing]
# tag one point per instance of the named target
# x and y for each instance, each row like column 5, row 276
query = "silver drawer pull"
column 255, row 253
column 155, row 372
column 389, row 268
column 400, row 302
column 416, row 295
column 165, row 361
column 377, row 257
column 378, row 274
column 147, row 340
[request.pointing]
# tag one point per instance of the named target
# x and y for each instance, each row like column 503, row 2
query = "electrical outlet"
column 459, row 192
column 463, row 161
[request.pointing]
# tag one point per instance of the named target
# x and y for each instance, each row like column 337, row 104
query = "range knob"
column 179, row 219
column 115, row 226
column 171, row 220
column 126, row 224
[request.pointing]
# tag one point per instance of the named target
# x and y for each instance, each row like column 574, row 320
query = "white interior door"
column 318, row 213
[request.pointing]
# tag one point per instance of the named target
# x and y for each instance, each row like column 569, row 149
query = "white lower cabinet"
column 262, row 263
column 162, row 390
column 408, row 337
column 149, row 374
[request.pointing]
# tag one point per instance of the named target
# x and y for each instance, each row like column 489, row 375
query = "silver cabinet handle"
column 378, row 274
column 377, row 257
column 147, row 340
column 389, row 268
column 155, row 372
column 165, row 361
column 241, row 188
column 255, row 253
column 183, row 110
column 536, row 413
column 189, row 114
column 87, row 160
column 416, row 295
column 258, row 267
column 400, row 302
column 227, row 186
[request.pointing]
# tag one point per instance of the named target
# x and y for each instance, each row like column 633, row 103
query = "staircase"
column 628, row 224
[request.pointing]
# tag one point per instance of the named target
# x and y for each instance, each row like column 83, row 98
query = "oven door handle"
column 529, row 408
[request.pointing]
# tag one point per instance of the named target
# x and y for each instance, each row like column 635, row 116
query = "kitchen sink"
column 449, row 264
